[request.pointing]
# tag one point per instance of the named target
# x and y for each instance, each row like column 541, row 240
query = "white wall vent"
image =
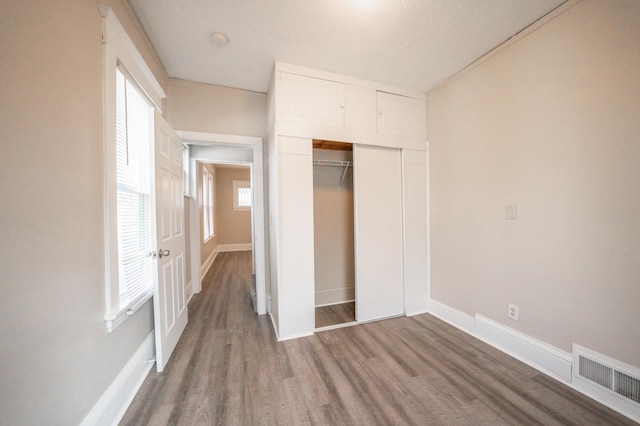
column 614, row 383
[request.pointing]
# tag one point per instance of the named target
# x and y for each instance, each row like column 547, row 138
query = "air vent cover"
column 612, row 375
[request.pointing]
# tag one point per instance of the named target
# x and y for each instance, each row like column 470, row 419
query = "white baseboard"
column 112, row 405
column 334, row 296
column 207, row 263
column 273, row 324
column 189, row 290
column 235, row 247
column 539, row 355
column 543, row 357
column 452, row 316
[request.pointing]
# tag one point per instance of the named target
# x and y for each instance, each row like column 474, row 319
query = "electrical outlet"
column 513, row 312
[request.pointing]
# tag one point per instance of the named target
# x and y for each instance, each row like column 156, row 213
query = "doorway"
column 238, row 150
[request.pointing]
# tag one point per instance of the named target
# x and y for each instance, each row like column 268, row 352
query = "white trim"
column 112, row 405
column 335, row 296
column 235, row 247
column 125, row 50
column 539, row 355
column 452, row 316
column 208, row 262
column 189, row 290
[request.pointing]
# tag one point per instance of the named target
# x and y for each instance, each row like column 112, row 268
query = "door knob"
column 163, row 253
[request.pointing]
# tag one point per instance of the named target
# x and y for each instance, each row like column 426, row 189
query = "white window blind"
column 207, row 204
column 133, row 144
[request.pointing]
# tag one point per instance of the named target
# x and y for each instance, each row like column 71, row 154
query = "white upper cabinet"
column 360, row 109
column 312, row 100
column 401, row 115
column 313, row 103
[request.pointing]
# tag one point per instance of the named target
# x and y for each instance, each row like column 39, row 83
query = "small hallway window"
column 241, row 195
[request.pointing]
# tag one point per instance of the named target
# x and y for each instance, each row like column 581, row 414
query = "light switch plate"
column 511, row 211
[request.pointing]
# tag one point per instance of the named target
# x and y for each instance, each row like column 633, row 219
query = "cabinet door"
column 360, row 109
column 400, row 115
column 295, row 295
column 312, row 100
column 378, row 232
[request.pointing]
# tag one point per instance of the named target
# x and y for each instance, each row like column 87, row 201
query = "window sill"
column 114, row 319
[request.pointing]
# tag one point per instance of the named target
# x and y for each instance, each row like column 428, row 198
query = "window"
column 207, row 204
column 241, row 195
column 131, row 94
column 133, row 144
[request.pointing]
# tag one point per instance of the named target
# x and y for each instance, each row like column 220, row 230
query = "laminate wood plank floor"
column 335, row 314
column 228, row 369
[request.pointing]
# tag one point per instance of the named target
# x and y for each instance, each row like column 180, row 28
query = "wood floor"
column 335, row 314
column 229, row 370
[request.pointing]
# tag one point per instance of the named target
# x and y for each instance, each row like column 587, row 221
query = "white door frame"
column 258, row 211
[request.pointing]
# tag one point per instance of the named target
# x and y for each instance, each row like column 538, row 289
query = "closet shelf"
column 337, row 163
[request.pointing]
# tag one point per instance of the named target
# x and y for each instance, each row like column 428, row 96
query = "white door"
column 378, row 232
column 169, row 297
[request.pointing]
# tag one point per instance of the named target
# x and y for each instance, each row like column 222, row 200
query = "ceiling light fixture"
column 219, row 39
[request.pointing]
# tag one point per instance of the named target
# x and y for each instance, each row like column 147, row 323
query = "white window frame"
column 237, row 185
column 208, row 204
column 119, row 49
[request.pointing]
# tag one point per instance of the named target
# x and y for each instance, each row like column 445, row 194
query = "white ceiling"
column 415, row 44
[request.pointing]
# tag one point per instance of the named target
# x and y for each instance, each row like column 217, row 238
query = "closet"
column 333, row 220
column 347, row 221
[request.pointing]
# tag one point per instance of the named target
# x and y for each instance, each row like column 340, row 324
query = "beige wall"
column 234, row 226
column 206, row 108
column 201, row 107
column 208, row 247
column 57, row 358
column 552, row 124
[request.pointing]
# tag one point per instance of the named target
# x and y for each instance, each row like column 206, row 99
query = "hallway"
column 228, row 369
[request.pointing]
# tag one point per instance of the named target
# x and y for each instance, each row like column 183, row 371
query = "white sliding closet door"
column 378, row 232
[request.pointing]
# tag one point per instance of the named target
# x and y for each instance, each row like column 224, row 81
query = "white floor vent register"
column 607, row 380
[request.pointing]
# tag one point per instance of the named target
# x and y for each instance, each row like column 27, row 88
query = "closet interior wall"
column 333, row 223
